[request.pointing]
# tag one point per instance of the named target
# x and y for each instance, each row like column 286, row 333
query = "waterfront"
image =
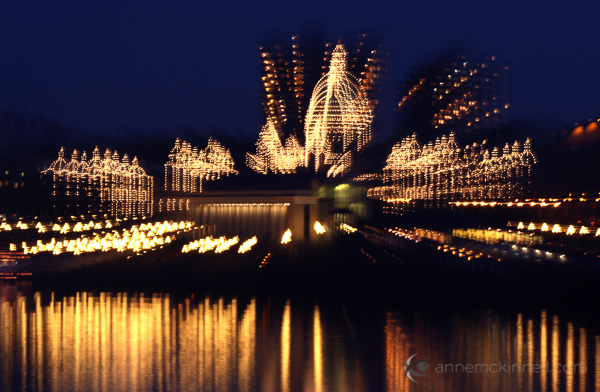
column 121, row 341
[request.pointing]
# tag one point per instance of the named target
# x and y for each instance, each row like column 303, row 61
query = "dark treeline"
column 31, row 142
column 568, row 163
column 567, row 156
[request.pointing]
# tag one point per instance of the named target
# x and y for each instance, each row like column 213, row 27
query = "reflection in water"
column 555, row 352
column 530, row 352
column 318, row 351
column 582, row 357
column 543, row 348
column 597, row 374
column 397, row 351
column 285, row 348
column 493, row 340
column 124, row 342
column 246, row 221
column 121, row 342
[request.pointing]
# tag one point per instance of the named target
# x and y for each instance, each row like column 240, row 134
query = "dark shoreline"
column 346, row 274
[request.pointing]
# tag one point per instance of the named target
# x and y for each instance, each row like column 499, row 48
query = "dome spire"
column 339, row 60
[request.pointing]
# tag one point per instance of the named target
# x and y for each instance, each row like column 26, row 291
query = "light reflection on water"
column 490, row 339
column 136, row 342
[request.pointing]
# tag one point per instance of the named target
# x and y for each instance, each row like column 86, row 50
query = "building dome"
column 338, row 121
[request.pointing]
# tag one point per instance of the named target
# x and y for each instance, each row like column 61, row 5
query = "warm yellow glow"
column 319, row 228
column 116, row 186
column 287, row 237
column 272, row 156
column 286, row 343
column 203, row 245
column 128, row 342
column 521, row 226
column 247, row 245
column 248, row 205
column 146, row 237
column 400, row 200
column 442, row 170
column 338, row 121
column 556, row 228
column 347, row 228
column 188, row 167
column 318, row 351
column 497, row 236
column 22, row 225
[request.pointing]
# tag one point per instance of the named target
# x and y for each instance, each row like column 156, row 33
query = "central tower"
column 338, row 121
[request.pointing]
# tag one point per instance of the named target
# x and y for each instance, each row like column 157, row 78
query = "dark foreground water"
column 110, row 341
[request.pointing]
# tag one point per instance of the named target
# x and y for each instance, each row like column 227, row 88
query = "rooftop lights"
column 319, row 228
column 442, row 170
column 272, row 156
column 338, row 120
column 287, row 237
column 188, row 166
column 121, row 188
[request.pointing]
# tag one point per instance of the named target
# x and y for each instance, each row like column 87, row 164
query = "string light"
column 272, row 156
column 497, row 236
column 368, row 177
column 247, row 205
column 188, row 166
column 347, row 228
column 145, row 237
column 287, row 237
column 123, row 189
column 338, row 120
column 556, row 228
column 442, row 170
column 319, row 228
column 203, row 245
column 247, row 245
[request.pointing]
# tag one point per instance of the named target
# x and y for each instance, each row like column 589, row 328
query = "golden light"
column 338, row 121
column 287, row 237
column 272, row 156
column 146, row 237
column 571, row 230
column 247, row 245
column 347, row 228
column 188, row 166
column 121, row 188
column 545, row 227
column 443, row 170
column 319, row 228
column 556, row 229
column 531, row 226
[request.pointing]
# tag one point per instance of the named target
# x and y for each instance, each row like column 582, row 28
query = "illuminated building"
column 102, row 185
column 441, row 170
column 188, row 166
column 272, row 156
column 458, row 91
column 338, row 121
column 292, row 64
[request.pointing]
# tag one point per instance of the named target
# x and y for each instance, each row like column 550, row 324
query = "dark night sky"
column 102, row 65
